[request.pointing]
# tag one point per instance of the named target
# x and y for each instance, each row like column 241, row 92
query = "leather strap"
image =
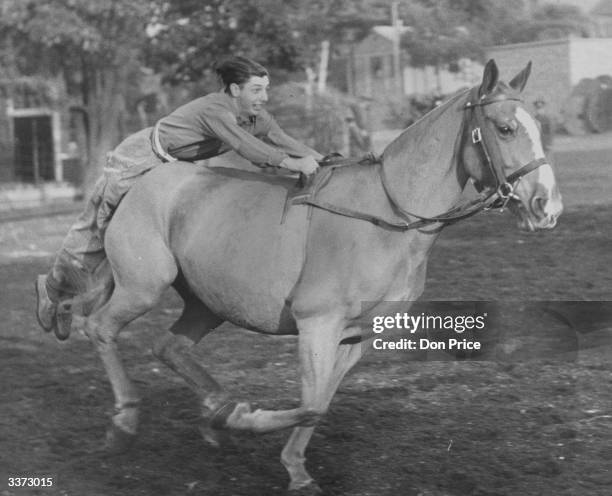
column 526, row 169
column 498, row 198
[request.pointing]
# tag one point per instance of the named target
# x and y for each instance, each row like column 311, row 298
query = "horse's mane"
column 421, row 130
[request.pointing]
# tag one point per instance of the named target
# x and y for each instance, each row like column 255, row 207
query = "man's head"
column 246, row 81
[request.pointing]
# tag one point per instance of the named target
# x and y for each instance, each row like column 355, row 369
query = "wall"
column 550, row 73
column 590, row 57
column 368, row 82
column 425, row 81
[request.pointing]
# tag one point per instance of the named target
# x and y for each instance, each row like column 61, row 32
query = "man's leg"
column 83, row 249
column 81, row 252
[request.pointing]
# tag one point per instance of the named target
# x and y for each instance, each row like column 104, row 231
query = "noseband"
column 483, row 136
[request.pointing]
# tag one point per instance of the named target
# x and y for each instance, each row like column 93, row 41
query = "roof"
column 388, row 32
column 596, row 42
column 586, row 6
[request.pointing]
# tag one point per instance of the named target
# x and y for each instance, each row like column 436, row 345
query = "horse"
column 220, row 238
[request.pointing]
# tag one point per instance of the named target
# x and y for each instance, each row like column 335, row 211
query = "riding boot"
column 53, row 296
column 46, row 307
column 64, row 320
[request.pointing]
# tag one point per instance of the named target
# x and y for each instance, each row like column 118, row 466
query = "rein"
column 504, row 187
column 497, row 199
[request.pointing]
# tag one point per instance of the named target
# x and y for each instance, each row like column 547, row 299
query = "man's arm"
column 223, row 125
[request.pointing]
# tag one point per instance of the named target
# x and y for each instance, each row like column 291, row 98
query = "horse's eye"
column 505, row 130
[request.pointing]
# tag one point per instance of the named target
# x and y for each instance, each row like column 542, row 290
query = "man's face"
column 252, row 95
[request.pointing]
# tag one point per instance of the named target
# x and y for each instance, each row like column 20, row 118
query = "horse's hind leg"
column 102, row 328
column 174, row 350
column 138, row 288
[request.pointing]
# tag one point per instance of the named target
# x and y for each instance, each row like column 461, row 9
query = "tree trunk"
column 310, row 80
column 323, row 63
column 350, row 71
column 438, row 71
column 105, row 109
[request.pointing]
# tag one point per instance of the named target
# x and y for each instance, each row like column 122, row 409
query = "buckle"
column 476, row 135
column 505, row 193
column 505, row 190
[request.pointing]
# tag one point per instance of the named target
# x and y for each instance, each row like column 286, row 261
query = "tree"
column 94, row 44
column 333, row 23
column 442, row 31
column 551, row 21
column 190, row 36
column 438, row 34
column 284, row 35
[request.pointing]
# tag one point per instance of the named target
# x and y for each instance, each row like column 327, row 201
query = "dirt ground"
column 536, row 421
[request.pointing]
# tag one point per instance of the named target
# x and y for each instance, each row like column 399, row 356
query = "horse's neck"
column 422, row 164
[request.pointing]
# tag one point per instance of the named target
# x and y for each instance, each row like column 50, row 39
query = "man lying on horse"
column 232, row 119
column 364, row 240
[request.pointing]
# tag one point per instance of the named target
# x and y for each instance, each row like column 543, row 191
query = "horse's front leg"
column 318, row 340
column 292, row 456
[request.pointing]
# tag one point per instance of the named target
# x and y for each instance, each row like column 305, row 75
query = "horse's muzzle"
column 540, row 212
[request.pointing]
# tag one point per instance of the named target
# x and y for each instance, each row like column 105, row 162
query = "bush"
column 320, row 126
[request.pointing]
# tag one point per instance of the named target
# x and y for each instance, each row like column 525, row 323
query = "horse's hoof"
column 218, row 419
column 118, row 441
column 214, row 438
column 231, row 416
column 310, row 489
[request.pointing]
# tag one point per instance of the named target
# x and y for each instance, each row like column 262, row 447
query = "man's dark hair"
column 238, row 70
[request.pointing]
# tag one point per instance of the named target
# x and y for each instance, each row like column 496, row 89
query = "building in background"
column 44, row 136
column 42, row 143
column 601, row 16
column 598, row 11
column 374, row 69
column 396, row 99
column 571, row 75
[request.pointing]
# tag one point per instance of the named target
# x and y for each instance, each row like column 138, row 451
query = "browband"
column 486, row 101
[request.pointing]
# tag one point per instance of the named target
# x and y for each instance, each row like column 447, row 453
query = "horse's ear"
column 520, row 80
column 489, row 78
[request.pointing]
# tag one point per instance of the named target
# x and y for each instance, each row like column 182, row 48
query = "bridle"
column 482, row 136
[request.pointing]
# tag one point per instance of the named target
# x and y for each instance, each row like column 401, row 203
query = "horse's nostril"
column 538, row 205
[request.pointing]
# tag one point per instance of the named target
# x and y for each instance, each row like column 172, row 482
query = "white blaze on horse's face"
column 540, row 201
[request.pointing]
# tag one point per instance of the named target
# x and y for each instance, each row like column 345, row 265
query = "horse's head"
column 503, row 151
